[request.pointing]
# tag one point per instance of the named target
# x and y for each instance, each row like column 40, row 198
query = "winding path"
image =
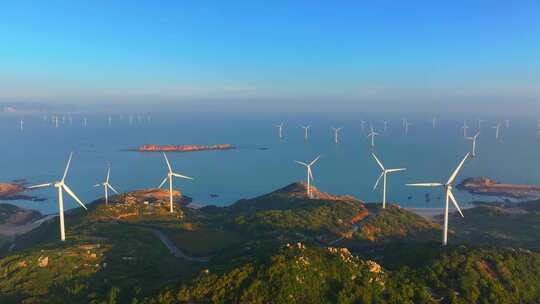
column 175, row 250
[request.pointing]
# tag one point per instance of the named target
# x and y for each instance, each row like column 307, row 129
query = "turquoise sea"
column 39, row 154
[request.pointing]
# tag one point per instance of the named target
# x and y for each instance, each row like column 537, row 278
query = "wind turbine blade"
column 167, row 161
column 40, row 186
column 378, row 161
column 453, row 199
column 396, row 170
column 163, row 182
column 378, row 181
column 68, row 190
column 67, row 166
column 98, row 185
column 425, row 185
column 181, row 176
column 453, row 176
column 314, row 161
column 301, row 163
column 112, row 188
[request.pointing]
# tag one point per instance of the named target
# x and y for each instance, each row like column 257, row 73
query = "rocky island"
column 490, row 187
column 183, row 148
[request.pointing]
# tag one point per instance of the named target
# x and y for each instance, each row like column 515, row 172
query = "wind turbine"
column 309, row 173
column 336, row 134
column 306, row 131
column 497, row 130
column 464, row 128
column 449, row 196
column 385, row 125
column 110, row 120
column 363, row 125
column 280, row 130
column 372, row 134
column 406, row 126
column 473, row 139
column 22, row 125
column 169, row 177
column 384, row 173
column 56, row 121
column 480, row 121
column 85, row 122
column 106, row 186
column 61, row 186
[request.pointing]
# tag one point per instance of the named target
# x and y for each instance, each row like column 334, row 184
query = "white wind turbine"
column 22, row 125
column 372, row 134
column 363, row 125
column 449, row 196
column 56, row 122
column 465, row 128
column 406, row 126
column 480, row 121
column 85, row 121
column 306, row 131
column 110, row 120
column 309, row 173
column 106, row 186
column 385, row 125
column 169, row 177
column 280, row 130
column 336, row 134
column 497, row 130
column 61, row 186
column 473, row 140
column 384, row 173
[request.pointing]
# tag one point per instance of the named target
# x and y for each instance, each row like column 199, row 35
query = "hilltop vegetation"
column 277, row 248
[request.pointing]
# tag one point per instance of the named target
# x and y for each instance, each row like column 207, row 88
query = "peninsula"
column 183, row 148
column 490, row 187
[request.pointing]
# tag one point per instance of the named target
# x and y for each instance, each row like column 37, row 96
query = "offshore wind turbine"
column 497, row 130
column 372, row 134
column 384, row 173
column 449, row 196
column 385, row 125
column 21, row 125
column 309, row 173
column 169, row 177
column 336, row 134
column 85, row 121
column 465, row 128
column 407, row 124
column 106, row 186
column 306, row 131
column 280, row 130
column 473, row 140
column 61, row 186
column 363, row 125
column 56, row 122
column 110, row 120
column 480, row 121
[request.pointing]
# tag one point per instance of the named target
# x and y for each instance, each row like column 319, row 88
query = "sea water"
column 262, row 162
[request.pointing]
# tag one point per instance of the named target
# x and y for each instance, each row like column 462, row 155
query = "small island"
column 490, row 187
column 183, row 148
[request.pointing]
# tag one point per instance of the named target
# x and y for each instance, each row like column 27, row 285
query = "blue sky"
column 392, row 51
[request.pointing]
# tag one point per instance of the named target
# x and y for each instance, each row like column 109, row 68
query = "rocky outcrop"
column 183, row 148
column 490, row 187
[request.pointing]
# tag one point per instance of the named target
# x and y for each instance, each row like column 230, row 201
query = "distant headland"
column 490, row 187
column 182, row 148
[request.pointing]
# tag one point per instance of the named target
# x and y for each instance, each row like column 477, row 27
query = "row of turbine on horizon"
column 447, row 186
column 62, row 187
column 57, row 120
